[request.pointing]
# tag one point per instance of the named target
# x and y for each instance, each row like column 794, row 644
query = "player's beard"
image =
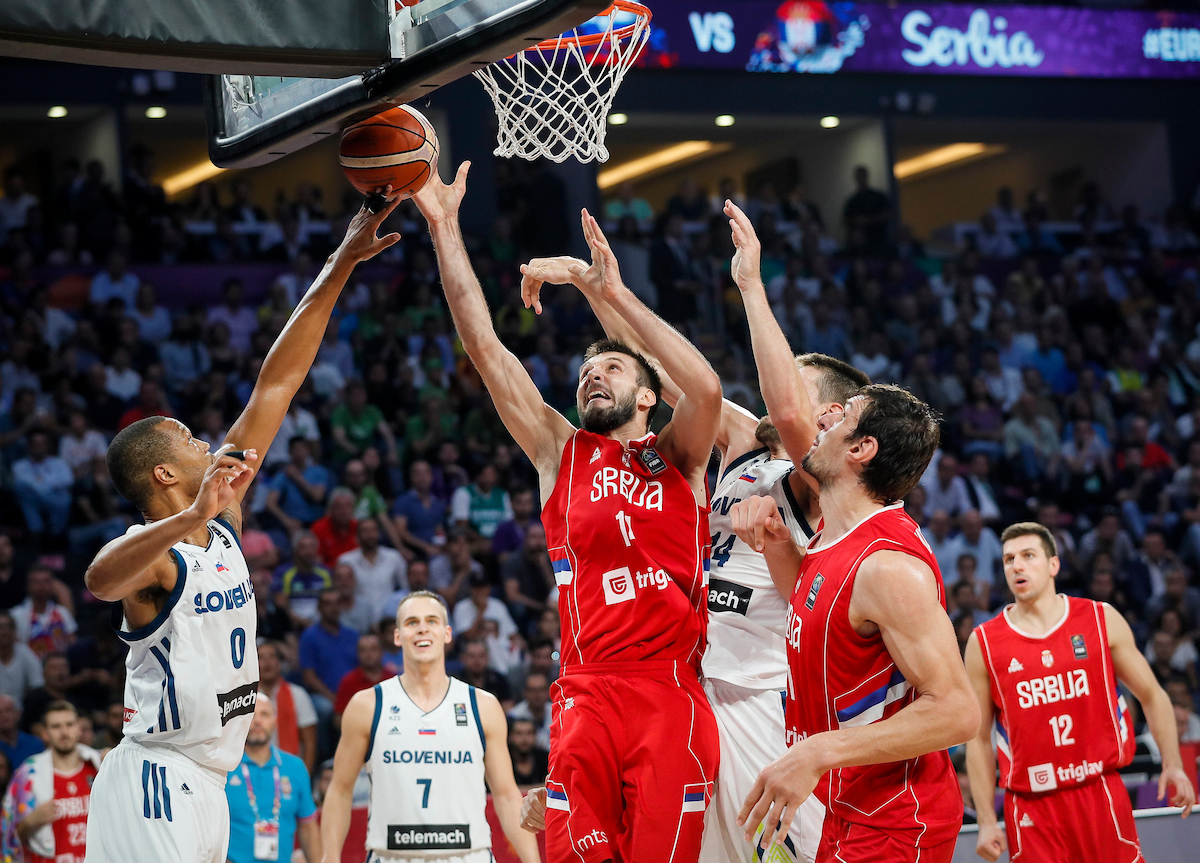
column 767, row 435
column 815, row 470
column 604, row 420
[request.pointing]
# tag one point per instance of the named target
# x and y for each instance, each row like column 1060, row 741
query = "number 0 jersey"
column 192, row 673
column 1060, row 720
column 747, row 616
column 847, row 681
column 428, row 797
column 629, row 546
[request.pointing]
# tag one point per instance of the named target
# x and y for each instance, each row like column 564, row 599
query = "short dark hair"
column 647, row 375
column 839, row 380
column 907, row 434
column 1031, row 528
column 133, row 455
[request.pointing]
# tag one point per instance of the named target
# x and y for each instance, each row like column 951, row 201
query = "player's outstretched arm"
column 498, row 771
column 981, row 760
column 538, row 429
column 757, row 522
column 141, row 560
column 779, row 379
column 292, row 355
column 347, row 762
column 896, row 593
column 735, row 433
column 688, row 439
column 1134, row 671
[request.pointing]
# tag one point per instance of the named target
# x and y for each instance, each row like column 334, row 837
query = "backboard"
column 256, row 119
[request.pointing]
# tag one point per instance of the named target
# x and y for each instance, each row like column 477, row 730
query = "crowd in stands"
column 1066, row 365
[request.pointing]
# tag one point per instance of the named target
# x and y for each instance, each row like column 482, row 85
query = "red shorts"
column 633, row 756
column 845, row 841
column 1089, row 824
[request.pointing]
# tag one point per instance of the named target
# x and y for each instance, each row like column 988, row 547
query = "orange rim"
column 593, row 39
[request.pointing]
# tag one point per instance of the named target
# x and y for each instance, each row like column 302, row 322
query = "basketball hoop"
column 553, row 98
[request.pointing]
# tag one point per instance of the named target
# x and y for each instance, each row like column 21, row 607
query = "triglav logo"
column 945, row 46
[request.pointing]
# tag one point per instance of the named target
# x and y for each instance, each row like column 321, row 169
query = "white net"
column 553, row 99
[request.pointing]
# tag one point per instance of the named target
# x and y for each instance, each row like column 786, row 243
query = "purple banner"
column 939, row 39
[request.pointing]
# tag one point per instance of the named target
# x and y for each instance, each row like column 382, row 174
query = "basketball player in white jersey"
column 429, row 741
column 745, row 665
column 187, row 605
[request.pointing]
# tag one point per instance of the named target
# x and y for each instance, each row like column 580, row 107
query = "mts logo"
column 712, row 31
column 591, row 840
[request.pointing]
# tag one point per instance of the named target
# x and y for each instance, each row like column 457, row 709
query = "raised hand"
column 222, row 481
column 603, row 259
column 757, row 522
column 745, row 267
column 438, row 201
column 361, row 243
column 562, row 270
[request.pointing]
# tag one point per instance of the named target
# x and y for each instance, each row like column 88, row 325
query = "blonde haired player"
column 428, row 741
column 1045, row 671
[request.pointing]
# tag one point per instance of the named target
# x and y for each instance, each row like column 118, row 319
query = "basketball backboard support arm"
column 253, row 121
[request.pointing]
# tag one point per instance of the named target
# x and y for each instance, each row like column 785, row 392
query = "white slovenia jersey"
column 192, row 672
column 428, row 797
column 746, row 614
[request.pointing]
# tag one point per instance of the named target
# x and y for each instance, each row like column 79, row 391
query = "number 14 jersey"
column 629, row 545
column 1060, row 719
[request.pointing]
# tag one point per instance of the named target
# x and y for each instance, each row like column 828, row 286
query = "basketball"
column 397, row 148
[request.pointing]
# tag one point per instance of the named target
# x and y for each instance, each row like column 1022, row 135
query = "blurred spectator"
column 945, row 489
column 470, row 613
column 528, row 578
column 153, row 321
column 420, row 515
column 274, row 621
column 115, row 282
column 355, row 611
column 481, row 506
column 303, row 580
column 530, row 761
column 337, row 531
column 15, row 744
column 356, row 425
column 16, row 202
column 379, row 571
column 42, row 483
column 628, row 204
column 297, row 423
column 297, row 494
column 535, row 707
column 20, row 668
column 81, row 444
column 369, row 671
column 268, row 776
column 42, row 623
column 56, row 676
column 473, row 654
column 235, row 314
column 328, row 650
column 296, row 719
column 991, row 241
column 867, row 214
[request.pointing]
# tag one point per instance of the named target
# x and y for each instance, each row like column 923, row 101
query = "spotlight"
column 725, row 120
column 618, row 119
column 830, row 122
column 156, row 112
column 56, row 112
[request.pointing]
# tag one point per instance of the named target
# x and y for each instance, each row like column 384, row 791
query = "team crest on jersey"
column 652, row 460
column 394, row 710
column 1047, row 658
column 460, row 714
column 1015, row 665
column 818, row 580
column 1078, row 645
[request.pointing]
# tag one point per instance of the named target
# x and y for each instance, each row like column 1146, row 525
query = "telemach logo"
column 237, row 702
column 428, row 837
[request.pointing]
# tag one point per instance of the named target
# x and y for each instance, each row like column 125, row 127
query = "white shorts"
column 481, row 855
column 751, row 724
column 152, row 804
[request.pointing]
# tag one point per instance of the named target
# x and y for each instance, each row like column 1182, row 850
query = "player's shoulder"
column 894, row 575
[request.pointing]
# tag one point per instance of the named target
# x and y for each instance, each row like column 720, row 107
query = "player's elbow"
column 101, row 583
column 707, row 393
column 962, row 716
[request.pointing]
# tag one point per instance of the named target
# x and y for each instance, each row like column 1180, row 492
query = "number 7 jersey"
column 1060, row 720
column 629, row 545
column 192, row 673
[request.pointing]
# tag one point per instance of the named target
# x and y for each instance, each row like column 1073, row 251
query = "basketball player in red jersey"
column 871, row 652
column 634, row 745
column 1045, row 671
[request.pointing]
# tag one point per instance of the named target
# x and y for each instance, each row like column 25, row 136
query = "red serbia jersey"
column 71, row 797
column 1060, row 719
column 839, row 679
column 629, row 546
